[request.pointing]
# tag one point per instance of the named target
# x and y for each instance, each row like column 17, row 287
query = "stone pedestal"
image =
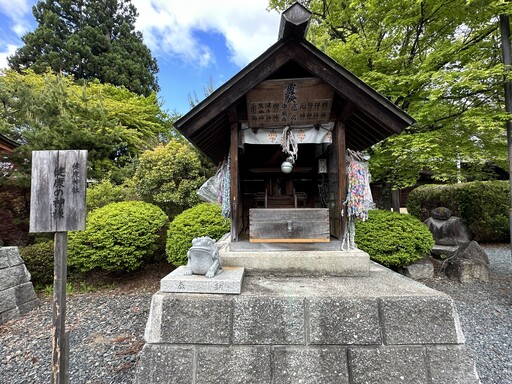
column 277, row 259
column 17, row 294
column 382, row 328
column 229, row 280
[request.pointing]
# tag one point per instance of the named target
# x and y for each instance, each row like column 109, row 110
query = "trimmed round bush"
column 393, row 239
column 38, row 259
column 202, row 220
column 119, row 237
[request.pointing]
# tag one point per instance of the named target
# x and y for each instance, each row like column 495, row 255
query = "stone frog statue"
column 203, row 258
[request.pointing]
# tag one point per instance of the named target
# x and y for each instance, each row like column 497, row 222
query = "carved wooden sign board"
column 59, row 181
column 289, row 102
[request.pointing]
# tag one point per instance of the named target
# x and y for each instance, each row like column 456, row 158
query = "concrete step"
column 296, row 260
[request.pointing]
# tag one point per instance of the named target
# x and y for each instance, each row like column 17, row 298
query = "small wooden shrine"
column 294, row 87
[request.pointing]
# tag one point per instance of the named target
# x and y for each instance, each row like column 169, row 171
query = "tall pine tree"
column 89, row 39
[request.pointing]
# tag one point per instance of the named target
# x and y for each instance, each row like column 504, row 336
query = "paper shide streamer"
column 359, row 196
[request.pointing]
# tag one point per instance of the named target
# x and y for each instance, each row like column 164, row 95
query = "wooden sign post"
column 57, row 204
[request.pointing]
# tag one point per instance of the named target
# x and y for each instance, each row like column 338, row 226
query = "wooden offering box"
column 294, row 225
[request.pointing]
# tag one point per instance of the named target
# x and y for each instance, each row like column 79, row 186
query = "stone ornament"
column 203, row 258
column 447, row 229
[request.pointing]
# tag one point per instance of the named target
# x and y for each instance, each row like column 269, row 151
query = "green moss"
column 201, row 220
column 119, row 237
column 393, row 239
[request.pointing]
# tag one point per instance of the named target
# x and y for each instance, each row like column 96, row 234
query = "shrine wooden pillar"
column 342, row 176
column 235, row 179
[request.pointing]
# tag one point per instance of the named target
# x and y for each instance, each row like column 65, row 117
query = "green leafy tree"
column 439, row 60
column 169, row 176
column 89, row 39
column 50, row 111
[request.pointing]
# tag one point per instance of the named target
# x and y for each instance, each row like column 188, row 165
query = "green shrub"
column 170, row 177
column 105, row 192
column 483, row 205
column 38, row 259
column 202, row 220
column 119, row 237
column 393, row 239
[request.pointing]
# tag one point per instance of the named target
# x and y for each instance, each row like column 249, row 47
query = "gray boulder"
column 419, row 270
column 469, row 264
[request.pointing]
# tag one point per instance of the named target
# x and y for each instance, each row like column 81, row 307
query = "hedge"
column 483, row 205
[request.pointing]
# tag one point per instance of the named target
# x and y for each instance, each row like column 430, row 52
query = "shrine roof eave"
column 372, row 117
column 8, row 144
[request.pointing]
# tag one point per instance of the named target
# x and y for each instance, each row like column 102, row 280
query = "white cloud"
column 17, row 11
column 3, row 55
column 169, row 27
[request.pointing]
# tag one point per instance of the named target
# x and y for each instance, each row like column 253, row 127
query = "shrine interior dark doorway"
column 264, row 185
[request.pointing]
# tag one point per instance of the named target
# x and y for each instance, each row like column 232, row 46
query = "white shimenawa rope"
column 289, row 144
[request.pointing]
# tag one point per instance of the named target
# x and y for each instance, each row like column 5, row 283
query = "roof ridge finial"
column 294, row 22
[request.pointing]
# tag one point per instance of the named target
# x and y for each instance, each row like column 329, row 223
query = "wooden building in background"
column 292, row 84
column 7, row 145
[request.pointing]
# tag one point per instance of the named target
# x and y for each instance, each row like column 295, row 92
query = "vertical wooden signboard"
column 57, row 204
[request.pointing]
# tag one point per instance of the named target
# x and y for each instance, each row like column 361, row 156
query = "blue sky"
column 193, row 40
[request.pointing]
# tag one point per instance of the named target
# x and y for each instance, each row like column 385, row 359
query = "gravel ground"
column 485, row 311
column 107, row 329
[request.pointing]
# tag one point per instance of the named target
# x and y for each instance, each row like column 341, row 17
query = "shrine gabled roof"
column 369, row 117
column 7, row 144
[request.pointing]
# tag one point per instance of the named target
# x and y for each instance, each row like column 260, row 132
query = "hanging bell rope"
column 289, row 144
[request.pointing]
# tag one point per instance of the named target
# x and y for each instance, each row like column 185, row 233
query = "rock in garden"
column 470, row 264
column 443, row 251
column 447, row 229
column 422, row 269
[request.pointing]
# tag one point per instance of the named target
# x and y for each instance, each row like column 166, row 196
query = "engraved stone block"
column 229, row 280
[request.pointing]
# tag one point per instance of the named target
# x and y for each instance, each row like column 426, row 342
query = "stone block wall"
column 17, row 294
column 282, row 331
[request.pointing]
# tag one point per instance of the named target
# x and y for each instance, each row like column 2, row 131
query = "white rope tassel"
column 289, row 144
